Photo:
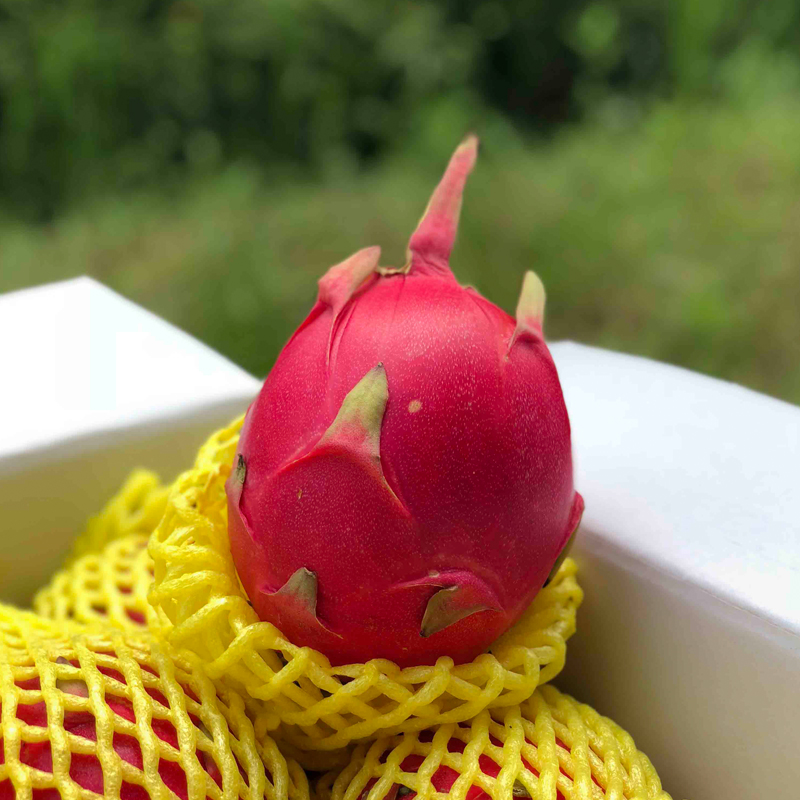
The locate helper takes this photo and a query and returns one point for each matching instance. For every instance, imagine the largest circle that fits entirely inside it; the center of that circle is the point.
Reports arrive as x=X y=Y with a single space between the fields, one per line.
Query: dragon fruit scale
x=403 y=483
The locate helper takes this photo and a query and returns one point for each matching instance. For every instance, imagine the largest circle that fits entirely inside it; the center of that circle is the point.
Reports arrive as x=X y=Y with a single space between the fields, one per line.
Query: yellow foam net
x=135 y=509
x=91 y=713
x=108 y=587
x=203 y=607
x=109 y=572
x=550 y=748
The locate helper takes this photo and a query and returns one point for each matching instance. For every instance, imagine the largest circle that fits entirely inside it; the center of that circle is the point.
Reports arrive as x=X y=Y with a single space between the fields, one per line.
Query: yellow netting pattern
x=136 y=508
x=203 y=607
x=110 y=586
x=321 y=761
x=574 y=753
x=110 y=666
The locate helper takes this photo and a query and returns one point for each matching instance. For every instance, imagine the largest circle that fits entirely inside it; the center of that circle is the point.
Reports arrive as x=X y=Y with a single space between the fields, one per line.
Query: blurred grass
x=675 y=236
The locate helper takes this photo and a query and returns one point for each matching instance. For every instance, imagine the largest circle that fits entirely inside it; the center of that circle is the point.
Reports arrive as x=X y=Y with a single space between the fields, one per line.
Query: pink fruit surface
x=403 y=482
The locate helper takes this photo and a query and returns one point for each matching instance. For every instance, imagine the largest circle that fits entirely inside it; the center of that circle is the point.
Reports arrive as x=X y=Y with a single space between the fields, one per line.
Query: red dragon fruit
x=403 y=483
x=85 y=767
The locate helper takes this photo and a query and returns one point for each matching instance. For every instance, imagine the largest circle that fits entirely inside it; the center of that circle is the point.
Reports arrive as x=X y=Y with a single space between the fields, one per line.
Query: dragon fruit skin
x=403 y=483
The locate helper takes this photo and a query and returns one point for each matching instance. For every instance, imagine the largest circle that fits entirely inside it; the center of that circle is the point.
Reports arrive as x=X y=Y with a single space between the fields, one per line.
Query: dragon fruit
x=95 y=713
x=551 y=747
x=86 y=769
x=403 y=483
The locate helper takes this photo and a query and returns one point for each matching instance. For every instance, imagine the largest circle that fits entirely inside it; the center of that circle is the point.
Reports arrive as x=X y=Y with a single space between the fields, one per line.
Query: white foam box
x=92 y=386
x=689 y=552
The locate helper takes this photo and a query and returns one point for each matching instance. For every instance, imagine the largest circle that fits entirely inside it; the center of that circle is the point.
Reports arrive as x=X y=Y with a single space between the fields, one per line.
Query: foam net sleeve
x=109 y=573
x=202 y=607
x=87 y=713
x=135 y=509
x=107 y=587
x=550 y=748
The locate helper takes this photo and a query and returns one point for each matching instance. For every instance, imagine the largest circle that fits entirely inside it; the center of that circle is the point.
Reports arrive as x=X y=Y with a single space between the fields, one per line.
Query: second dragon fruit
x=403 y=484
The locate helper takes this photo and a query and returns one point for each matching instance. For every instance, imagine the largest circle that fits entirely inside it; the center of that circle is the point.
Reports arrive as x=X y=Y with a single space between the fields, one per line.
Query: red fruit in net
x=403 y=483
x=85 y=768
x=444 y=777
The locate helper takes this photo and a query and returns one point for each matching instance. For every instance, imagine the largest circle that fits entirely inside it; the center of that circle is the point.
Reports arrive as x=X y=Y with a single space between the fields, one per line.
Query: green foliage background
x=210 y=158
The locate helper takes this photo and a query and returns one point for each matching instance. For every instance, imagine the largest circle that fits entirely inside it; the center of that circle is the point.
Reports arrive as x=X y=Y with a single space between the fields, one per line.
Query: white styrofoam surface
x=689 y=552
x=700 y=477
x=93 y=386
x=79 y=359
